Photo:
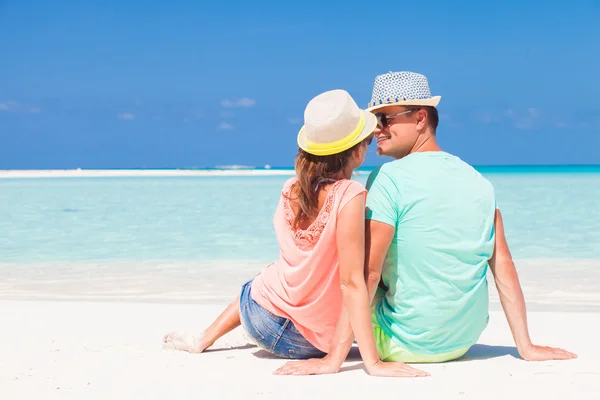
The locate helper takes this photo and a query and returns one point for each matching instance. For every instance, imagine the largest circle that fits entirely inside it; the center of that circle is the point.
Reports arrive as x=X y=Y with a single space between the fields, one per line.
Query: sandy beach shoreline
x=546 y=286
x=106 y=350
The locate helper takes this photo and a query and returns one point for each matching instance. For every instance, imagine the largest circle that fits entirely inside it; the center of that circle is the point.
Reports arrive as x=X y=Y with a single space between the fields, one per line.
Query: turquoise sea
x=197 y=238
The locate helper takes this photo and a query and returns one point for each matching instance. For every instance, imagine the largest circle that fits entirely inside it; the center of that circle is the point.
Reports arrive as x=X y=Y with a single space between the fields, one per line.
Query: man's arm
x=378 y=238
x=513 y=301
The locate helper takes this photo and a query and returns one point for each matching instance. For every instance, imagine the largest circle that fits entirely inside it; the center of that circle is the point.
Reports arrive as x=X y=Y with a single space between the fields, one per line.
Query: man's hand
x=395 y=369
x=313 y=366
x=543 y=353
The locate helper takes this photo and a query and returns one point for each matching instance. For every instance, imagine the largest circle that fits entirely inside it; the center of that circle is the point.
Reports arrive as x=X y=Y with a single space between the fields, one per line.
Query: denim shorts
x=275 y=334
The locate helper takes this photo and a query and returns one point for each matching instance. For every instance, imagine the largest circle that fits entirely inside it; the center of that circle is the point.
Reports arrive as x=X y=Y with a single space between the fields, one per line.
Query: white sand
x=79 y=350
x=546 y=285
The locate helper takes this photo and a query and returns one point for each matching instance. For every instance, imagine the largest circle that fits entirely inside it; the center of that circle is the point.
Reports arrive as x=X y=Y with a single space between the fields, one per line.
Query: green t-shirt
x=435 y=269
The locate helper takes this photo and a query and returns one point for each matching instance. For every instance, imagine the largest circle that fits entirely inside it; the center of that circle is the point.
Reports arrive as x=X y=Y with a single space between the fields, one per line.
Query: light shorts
x=391 y=351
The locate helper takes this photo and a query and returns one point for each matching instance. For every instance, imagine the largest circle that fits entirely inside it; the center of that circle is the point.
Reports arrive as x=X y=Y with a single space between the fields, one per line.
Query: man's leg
x=225 y=323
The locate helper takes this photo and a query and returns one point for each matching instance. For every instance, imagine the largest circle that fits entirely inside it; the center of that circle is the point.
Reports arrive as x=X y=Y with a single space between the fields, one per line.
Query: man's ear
x=422 y=118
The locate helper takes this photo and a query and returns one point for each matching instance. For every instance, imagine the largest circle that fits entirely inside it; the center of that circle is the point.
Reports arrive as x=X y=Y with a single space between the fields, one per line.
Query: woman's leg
x=226 y=322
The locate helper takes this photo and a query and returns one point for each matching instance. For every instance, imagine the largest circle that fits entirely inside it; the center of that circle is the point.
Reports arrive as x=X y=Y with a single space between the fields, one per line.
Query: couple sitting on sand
x=410 y=283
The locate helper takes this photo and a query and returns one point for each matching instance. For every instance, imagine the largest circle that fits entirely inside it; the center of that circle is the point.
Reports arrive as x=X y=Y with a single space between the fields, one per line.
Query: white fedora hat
x=401 y=88
x=333 y=122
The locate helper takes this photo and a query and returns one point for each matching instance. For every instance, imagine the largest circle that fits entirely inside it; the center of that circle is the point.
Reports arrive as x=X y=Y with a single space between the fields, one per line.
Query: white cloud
x=521 y=120
x=534 y=118
x=226 y=114
x=14 y=106
x=126 y=116
x=225 y=125
x=529 y=120
x=487 y=117
x=560 y=124
x=243 y=102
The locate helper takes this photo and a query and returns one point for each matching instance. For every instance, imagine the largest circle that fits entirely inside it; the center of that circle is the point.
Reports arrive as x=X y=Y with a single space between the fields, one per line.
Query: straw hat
x=401 y=88
x=333 y=122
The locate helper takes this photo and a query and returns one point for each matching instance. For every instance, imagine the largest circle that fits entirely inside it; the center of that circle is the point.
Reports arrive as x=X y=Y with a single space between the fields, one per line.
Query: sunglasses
x=383 y=119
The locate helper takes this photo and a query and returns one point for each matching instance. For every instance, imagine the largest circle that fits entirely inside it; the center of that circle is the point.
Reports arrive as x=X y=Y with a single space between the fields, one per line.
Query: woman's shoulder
x=347 y=190
x=349 y=186
x=290 y=180
x=287 y=185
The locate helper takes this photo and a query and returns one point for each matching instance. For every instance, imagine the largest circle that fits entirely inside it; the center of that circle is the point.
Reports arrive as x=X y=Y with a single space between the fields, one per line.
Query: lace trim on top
x=306 y=238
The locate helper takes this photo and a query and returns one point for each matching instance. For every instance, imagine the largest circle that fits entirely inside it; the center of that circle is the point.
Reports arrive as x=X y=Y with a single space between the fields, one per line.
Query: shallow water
x=198 y=238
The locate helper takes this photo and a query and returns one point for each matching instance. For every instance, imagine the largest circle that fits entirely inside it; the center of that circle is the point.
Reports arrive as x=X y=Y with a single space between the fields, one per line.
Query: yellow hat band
x=326 y=149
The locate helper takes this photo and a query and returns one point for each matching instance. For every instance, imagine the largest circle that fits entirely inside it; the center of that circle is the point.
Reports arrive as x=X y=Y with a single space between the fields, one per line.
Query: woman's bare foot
x=185 y=342
x=226 y=322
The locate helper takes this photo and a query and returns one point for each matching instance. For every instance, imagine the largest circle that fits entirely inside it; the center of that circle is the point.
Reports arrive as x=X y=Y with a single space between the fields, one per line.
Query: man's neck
x=428 y=143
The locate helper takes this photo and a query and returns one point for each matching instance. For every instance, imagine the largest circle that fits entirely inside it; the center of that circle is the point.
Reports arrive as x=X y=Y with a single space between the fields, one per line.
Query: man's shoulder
x=472 y=170
x=470 y=180
x=385 y=174
x=414 y=165
x=390 y=168
x=397 y=172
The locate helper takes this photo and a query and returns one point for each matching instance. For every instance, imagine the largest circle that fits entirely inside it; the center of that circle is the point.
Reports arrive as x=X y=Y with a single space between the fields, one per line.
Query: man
x=433 y=229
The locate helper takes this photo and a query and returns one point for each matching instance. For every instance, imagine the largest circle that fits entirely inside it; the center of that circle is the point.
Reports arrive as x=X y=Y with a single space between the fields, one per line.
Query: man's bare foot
x=184 y=342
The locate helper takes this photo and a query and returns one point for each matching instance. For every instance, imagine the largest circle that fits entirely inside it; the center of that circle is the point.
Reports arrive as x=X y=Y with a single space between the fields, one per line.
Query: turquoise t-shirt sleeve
x=382 y=198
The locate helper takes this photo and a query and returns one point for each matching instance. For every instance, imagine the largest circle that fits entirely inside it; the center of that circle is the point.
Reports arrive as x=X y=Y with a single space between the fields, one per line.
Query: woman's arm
x=351 y=250
x=378 y=237
x=356 y=315
x=513 y=301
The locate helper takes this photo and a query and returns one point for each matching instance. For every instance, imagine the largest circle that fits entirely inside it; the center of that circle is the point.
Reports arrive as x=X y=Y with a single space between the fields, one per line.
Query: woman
x=316 y=291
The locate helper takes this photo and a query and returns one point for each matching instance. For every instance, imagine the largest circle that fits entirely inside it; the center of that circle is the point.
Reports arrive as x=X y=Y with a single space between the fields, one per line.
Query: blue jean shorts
x=275 y=334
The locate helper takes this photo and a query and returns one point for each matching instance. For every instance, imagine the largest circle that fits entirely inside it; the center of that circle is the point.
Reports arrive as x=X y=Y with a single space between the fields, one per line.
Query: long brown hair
x=314 y=172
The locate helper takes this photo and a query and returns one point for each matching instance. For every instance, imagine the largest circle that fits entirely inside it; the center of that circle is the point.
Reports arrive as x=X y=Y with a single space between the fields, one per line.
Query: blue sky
x=166 y=84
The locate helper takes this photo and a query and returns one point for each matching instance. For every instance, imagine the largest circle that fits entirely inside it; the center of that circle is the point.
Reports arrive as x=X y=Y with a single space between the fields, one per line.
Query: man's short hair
x=433 y=117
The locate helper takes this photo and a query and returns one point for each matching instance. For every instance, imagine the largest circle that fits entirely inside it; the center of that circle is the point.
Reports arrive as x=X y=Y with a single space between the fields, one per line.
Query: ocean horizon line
x=283 y=167
x=242 y=170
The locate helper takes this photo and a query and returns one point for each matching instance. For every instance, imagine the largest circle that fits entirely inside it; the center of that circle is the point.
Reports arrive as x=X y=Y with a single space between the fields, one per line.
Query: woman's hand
x=313 y=366
x=394 y=369
x=321 y=366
